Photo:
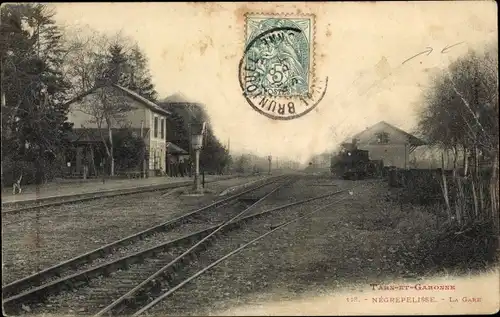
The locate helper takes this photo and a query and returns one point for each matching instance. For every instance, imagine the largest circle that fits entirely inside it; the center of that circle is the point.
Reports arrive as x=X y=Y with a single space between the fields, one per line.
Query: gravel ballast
x=33 y=240
x=356 y=240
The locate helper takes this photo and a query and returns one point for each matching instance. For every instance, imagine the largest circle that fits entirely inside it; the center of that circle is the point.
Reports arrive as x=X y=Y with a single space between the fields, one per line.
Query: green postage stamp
x=277 y=70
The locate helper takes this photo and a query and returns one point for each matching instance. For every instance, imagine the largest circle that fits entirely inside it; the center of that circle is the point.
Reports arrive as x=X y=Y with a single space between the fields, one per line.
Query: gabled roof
x=412 y=140
x=149 y=104
x=174 y=149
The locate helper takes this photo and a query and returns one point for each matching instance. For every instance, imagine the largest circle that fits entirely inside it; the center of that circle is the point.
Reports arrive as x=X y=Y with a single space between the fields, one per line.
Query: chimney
x=354 y=142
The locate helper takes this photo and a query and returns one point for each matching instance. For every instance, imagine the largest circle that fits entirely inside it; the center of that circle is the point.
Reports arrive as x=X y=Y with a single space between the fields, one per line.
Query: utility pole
x=144 y=154
x=270 y=159
x=228 y=152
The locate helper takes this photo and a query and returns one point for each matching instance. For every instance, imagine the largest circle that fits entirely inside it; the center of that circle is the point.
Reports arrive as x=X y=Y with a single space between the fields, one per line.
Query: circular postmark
x=275 y=72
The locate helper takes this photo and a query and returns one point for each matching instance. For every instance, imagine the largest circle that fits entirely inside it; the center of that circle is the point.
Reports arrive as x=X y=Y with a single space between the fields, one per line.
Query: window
x=156 y=127
x=162 y=129
x=382 y=137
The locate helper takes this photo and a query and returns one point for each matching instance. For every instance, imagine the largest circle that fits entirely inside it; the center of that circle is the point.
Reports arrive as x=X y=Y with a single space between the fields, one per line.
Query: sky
x=194 y=49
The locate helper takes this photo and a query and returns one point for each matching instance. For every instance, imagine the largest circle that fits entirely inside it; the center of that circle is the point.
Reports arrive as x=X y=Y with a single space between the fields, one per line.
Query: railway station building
x=388 y=143
x=140 y=116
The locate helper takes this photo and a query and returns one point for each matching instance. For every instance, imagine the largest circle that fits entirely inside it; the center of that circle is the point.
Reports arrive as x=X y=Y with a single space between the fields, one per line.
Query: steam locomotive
x=353 y=163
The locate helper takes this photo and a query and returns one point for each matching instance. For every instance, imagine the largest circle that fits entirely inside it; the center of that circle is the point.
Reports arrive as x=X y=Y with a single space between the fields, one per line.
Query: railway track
x=153 y=270
x=254 y=229
x=19 y=207
x=173 y=276
x=122 y=253
x=21 y=214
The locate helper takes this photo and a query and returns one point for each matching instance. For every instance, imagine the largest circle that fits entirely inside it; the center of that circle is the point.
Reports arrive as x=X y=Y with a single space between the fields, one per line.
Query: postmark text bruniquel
x=276 y=73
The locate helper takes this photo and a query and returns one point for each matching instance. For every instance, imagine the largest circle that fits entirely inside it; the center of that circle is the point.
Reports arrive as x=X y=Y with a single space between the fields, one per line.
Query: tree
x=88 y=56
x=33 y=85
x=107 y=107
x=178 y=130
x=461 y=113
x=242 y=164
x=129 y=70
x=214 y=156
x=115 y=69
x=139 y=78
x=102 y=59
x=461 y=106
x=128 y=149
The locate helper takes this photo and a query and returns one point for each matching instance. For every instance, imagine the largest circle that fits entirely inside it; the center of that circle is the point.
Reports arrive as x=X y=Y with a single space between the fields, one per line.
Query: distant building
x=145 y=117
x=386 y=142
x=177 y=160
x=188 y=112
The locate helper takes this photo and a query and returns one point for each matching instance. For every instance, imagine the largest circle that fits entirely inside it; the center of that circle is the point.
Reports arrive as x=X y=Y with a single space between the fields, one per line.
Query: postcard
x=253 y=158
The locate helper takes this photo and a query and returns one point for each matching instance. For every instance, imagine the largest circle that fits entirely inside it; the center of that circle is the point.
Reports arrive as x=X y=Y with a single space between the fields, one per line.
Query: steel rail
x=228 y=255
x=83 y=276
x=93 y=196
x=26 y=282
x=69 y=202
x=131 y=293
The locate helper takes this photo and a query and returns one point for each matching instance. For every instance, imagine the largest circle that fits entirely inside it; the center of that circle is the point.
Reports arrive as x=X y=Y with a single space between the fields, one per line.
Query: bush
x=465 y=245
x=128 y=149
x=50 y=167
x=421 y=187
x=471 y=249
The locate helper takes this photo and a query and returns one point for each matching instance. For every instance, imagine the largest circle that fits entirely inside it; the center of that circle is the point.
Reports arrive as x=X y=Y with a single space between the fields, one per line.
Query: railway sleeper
x=185 y=259
x=206 y=244
x=168 y=277
x=80 y=283
x=155 y=253
x=196 y=216
x=194 y=256
x=193 y=239
x=210 y=241
x=248 y=201
x=155 y=288
x=203 y=247
x=95 y=273
x=149 y=254
x=169 y=225
x=131 y=260
x=91 y=257
x=235 y=225
x=104 y=252
x=108 y=268
x=176 y=267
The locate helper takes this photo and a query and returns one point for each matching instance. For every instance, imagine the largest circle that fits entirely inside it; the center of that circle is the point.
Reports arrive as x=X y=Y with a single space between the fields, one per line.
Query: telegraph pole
x=228 y=153
x=270 y=159
x=144 y=154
